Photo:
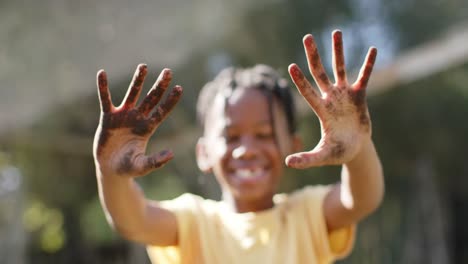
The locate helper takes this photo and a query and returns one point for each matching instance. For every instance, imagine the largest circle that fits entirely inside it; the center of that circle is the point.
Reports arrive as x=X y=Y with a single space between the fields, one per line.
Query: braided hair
x=261 y=77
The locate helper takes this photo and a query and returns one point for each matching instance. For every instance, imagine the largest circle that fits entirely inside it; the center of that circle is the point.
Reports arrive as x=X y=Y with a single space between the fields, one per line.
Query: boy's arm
x=360 y=192
x=346 y=135
x=134 y=217
x=119 y=154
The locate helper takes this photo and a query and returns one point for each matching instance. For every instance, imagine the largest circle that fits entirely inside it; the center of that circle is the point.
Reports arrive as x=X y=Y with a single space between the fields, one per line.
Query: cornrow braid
x=261 y=77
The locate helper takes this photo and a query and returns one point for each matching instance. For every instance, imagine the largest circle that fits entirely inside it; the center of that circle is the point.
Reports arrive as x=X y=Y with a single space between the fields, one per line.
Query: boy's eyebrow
x=229 y=125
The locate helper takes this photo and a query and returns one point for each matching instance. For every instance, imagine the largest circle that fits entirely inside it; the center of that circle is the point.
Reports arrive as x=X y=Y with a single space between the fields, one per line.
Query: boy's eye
x=265 y=135
x=231 y=137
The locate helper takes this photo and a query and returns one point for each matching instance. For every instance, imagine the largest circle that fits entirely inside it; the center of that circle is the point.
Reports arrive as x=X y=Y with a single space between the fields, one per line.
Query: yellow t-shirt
x=293 y=231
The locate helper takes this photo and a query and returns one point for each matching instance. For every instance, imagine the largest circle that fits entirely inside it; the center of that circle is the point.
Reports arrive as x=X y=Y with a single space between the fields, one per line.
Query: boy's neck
x=245 y=206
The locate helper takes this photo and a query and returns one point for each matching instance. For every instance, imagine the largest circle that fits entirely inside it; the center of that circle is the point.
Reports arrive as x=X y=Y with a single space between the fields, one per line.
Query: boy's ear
x=203 y=160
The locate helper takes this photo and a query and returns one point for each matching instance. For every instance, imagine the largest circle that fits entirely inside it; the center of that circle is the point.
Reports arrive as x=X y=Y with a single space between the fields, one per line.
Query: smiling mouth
x=248 y=173
x=250 y=176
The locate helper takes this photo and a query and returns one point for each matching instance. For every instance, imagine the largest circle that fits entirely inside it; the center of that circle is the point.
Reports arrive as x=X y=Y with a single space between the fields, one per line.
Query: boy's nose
x=245 y=150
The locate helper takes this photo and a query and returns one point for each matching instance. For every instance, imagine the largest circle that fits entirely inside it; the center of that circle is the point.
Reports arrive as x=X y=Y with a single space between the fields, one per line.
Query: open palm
x=123 y=132
x=341 y=107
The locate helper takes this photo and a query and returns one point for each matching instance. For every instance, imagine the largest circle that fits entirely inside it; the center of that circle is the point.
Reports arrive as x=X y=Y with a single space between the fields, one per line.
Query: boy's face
x=241 y=150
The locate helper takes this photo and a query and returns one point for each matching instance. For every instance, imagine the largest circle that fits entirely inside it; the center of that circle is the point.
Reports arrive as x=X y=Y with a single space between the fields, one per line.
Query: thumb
x=145 y=164
x=322 y=154
x=303 y=160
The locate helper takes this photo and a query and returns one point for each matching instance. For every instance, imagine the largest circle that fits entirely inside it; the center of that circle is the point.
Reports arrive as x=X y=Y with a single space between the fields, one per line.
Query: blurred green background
x=51 y=50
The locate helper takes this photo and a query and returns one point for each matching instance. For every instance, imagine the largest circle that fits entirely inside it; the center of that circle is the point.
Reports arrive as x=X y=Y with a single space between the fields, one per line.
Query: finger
x=315 y=64
x=303 y=160
x=134 y=89
x=322 y=154
x=366 y=70
x=146 y=164
x=304 y=86
x=154 y=95
x=103 y=92
x=338 y=59
x=166 y=107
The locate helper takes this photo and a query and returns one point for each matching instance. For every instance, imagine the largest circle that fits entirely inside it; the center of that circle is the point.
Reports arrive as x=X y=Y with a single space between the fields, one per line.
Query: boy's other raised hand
x=123 y=132
x=341 y=107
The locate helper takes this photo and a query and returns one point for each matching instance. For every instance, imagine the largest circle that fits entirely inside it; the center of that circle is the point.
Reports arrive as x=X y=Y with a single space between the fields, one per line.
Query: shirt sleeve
x=185 y=208
x=332 y=246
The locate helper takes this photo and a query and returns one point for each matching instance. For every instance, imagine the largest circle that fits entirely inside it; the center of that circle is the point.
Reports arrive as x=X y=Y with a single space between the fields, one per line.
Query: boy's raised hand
x=123 y=132
x=341 y=107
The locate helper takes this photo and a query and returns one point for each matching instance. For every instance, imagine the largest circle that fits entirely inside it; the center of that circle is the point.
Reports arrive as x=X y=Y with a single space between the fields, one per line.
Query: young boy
x=249 y=134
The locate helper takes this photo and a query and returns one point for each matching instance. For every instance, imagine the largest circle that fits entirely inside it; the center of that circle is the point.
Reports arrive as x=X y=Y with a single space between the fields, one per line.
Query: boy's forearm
x=362 y=183
x=360 y=192
x=123 y=202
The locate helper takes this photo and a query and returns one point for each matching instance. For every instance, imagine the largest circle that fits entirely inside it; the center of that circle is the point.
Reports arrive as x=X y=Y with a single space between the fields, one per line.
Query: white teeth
x=244 y=173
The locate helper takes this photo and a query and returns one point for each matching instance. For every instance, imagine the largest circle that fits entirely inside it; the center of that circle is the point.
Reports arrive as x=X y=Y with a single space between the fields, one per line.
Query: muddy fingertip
x=166 y=155
x=292 y=161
